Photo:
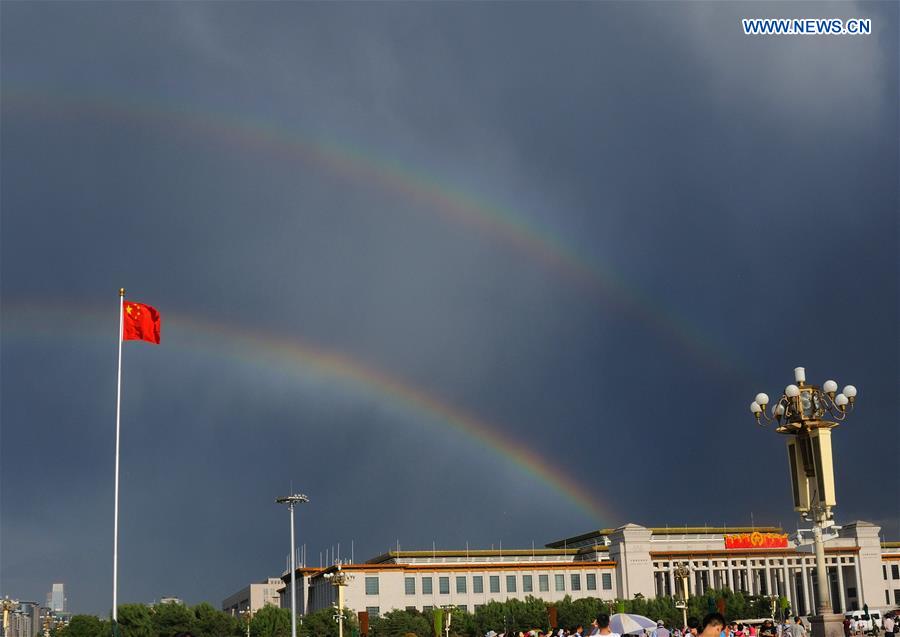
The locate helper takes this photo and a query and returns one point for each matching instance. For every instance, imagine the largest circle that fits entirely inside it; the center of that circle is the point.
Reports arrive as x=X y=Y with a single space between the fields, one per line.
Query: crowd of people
x=714 y=625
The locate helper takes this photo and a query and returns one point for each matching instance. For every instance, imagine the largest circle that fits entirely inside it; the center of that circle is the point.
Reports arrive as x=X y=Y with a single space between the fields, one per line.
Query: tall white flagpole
x=115 y=612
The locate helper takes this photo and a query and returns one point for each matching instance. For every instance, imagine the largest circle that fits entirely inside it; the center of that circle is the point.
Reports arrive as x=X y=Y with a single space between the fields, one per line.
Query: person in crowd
x=661 y=630
x=713 y=625
x=739 y=630
x=797 y=629
x=888 y=623
x=693 y=627
x=603 y=626
x=767 y=629
x=579 y=631
x=751 y=630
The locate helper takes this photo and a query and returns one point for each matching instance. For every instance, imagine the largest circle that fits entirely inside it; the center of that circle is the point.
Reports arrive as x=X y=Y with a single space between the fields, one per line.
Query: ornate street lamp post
x=683 y=572
x=804 y=413
x=248 y=614
x=7 y=605
x=339 y=579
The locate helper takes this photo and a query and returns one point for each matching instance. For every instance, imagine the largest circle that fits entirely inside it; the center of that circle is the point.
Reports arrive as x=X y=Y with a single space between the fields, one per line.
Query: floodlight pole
x=291 y=500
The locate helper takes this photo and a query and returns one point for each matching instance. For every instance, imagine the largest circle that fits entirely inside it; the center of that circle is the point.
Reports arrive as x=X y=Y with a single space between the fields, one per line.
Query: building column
x=859 y=589
x=690 y=580
x=749 y=578
x=770 y=590
x=787 y=582
x=795 y=590
x=813 y=598
x=730 y=574
x=841 y=592
x=672 y=578
x=806 y=595
x=709 y=575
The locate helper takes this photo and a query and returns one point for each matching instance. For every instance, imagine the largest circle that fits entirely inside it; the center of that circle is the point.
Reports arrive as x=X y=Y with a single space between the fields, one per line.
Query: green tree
x=134 y=621
x=171 y=618
x=491 y=616
x=580 y=612
x=270 y=621
x=211 y=622
x=321 y=623
x=398 y=623
x=85 y=626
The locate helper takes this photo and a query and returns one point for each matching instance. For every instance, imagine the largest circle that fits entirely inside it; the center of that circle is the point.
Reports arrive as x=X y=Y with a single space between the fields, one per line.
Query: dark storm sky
x=742 y=191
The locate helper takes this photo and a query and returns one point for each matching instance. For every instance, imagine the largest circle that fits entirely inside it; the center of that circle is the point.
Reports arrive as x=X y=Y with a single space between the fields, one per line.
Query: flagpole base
x=827 y=625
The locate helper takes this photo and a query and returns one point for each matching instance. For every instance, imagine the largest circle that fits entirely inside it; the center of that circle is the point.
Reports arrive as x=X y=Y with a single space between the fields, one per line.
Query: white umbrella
x=625 y=623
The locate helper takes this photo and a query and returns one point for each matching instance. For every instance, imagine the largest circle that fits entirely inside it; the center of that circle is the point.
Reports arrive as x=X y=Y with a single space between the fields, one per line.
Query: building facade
x=890 y=572
x=254 y=597
x=24 y=620
x=56 y=598
x=620 y=564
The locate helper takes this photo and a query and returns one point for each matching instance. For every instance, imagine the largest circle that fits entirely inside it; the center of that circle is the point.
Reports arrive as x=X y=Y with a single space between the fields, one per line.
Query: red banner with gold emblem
x=756 y=540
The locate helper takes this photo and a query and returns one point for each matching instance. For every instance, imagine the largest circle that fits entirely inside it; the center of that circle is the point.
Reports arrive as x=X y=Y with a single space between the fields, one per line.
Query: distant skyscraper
x=56 y=598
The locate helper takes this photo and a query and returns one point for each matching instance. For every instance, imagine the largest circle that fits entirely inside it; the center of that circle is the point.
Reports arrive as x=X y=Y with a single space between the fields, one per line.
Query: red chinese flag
x=140 y=322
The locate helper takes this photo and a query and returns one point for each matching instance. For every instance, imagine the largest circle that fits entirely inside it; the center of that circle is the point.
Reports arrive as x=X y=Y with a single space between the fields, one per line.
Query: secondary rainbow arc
x=357 y=165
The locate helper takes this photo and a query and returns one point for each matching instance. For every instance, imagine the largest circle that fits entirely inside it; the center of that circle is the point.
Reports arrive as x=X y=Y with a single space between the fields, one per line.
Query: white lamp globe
x=849 y=391
x=755 y=408
x=829 y=386
x=840 y=400
x=778 y=410
x=762 y=399
x=800 y=374
x=792 y=391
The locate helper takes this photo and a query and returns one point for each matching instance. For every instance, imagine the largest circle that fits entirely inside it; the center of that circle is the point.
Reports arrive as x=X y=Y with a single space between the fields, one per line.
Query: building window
x=426 y=586
x=606 y=578
x=372 y=585
x=444 y=585
x=411 y=609
x=460 y=583
x=510 y=583
x=591 y=581
x=477 y=584
x=427 y=609
x=884 y=570
x=560 y=582
x=373 y=612
x=543 y=583
x=478 y=606
x=495 y=583
x=851 y=591
x=527 y=584
x=463 y=608
x=897 y=596
x=576 y=581
x=410 y=585
x=895 y=571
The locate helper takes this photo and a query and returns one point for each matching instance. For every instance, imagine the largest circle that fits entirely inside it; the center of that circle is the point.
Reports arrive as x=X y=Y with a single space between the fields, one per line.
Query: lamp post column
x=823 y=599
x=291 y=500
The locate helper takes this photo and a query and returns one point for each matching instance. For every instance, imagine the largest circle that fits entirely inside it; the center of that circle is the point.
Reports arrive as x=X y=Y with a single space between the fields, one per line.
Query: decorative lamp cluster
x=802 y=402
